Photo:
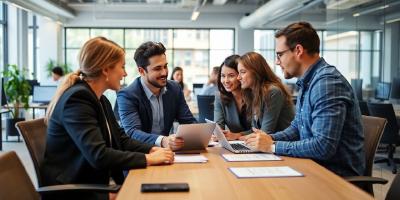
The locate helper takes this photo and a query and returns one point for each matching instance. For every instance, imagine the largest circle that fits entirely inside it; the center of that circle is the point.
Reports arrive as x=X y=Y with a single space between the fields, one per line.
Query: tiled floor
x=380 y=170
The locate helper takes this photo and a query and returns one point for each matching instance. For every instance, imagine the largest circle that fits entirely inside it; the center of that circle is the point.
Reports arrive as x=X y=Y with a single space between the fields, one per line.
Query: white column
x=50 y=47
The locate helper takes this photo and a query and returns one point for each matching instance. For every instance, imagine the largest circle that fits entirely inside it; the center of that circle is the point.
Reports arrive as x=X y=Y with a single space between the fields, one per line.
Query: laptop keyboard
x=239 y=147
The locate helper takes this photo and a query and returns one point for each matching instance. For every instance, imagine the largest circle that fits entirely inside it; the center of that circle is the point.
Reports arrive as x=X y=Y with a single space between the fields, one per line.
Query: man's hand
x=259 y=140
x=231 y=136
x=172 y=142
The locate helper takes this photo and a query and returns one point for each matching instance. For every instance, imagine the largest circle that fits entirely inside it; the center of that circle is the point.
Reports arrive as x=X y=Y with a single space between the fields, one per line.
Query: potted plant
x=17 y=89
x=51 y=64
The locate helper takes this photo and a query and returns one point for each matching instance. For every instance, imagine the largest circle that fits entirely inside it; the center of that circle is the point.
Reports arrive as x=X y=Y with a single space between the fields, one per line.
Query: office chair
x=15 y=183
x=206 y=107
x=356 y=84
x=363 y=107
x=34 y=133
x=395 y=92
x=394 y=192
x=390 y=135
x=373 y=130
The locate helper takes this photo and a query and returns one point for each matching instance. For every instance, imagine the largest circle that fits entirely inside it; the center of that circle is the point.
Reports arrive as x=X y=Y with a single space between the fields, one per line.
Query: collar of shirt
x=305 y=79
x=147 y=90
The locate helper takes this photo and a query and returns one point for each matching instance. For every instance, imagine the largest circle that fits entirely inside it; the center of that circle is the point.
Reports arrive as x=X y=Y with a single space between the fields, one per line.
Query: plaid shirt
x=327 y=127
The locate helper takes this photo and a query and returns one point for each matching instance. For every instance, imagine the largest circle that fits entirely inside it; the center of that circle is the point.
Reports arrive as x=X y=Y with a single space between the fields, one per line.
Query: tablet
x=196 y=136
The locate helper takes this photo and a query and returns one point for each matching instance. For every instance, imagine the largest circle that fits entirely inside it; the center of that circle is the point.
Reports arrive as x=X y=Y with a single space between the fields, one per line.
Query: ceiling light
x=195 y=15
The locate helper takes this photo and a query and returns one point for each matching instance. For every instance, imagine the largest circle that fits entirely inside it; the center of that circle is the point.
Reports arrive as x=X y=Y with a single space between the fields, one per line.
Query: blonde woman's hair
x=264 y=78
x=96 y=54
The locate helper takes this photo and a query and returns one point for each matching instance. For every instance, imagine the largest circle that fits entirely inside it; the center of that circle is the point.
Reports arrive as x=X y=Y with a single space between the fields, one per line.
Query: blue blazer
x=136 y=114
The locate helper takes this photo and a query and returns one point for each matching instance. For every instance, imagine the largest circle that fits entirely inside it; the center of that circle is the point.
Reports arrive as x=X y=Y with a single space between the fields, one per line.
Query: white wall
x=50 y=44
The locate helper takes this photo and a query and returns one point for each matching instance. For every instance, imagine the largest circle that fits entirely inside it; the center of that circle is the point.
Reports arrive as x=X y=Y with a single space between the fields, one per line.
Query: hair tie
x=81 y=75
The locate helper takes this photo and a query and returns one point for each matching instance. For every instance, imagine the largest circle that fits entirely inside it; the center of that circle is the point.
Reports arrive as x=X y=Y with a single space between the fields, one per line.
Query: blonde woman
x=85 y=143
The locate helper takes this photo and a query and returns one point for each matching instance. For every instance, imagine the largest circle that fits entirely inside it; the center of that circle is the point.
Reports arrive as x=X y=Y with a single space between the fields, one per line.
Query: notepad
x=190 y=158
x=268 y=172
x=250 y=157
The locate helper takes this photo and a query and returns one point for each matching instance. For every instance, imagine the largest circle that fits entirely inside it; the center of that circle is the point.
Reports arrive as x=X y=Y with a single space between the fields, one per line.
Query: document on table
x=250 y=157
x=195 y=158
x=268 y=172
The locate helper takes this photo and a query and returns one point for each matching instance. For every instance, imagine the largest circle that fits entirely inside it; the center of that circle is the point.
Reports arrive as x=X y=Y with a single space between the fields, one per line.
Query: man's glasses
x=280 y=53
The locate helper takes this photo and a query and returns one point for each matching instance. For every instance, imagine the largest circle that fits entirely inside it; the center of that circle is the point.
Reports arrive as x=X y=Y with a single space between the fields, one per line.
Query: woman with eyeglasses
x=268 y=103
x=229 y=108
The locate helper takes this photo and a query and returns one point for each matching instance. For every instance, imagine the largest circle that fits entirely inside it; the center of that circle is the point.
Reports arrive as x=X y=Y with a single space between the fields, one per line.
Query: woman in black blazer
x=85 y=144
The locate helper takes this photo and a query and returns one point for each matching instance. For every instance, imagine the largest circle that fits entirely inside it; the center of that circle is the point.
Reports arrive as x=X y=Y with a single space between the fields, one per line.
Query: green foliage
x=16 y=88
x=52 y=63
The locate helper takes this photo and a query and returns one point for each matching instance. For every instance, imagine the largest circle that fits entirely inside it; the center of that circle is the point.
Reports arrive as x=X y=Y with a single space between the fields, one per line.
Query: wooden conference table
x=213 y=180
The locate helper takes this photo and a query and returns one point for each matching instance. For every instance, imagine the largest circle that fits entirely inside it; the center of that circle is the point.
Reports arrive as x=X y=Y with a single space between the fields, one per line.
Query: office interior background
x=360 y=37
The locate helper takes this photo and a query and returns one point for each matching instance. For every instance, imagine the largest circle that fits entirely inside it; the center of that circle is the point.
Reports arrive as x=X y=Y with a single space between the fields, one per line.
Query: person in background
x=57 y=73
x=268 y=103
x=327 y=127
x=229 y=107
x=211 y=87
x=177 y=75
x=149 y=106
x=84 y=143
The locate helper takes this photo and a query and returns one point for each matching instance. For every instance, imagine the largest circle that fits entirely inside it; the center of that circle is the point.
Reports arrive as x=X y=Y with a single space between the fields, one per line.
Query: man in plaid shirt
x=327 y=127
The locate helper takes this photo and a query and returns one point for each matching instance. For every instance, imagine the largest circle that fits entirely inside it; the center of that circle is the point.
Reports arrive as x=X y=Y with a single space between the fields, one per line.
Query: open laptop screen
x=43 y=94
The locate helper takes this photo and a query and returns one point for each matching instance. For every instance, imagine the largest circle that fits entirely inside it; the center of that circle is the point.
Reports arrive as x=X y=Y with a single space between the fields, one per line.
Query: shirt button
x=302 y=127
x=302 y=110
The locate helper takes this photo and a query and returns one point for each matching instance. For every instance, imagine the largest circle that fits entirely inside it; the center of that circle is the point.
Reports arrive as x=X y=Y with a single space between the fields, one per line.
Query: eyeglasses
x=280 y=53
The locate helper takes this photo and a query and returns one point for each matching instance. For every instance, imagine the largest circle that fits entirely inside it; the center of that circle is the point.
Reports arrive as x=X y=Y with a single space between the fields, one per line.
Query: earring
x=107 y=79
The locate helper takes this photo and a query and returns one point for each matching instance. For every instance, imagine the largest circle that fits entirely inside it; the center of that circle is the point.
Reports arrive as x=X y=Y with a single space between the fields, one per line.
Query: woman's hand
x=231 y=136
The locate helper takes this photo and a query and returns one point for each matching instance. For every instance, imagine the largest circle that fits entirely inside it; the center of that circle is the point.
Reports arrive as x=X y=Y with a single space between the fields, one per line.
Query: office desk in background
x=33 y=107
x=2 y=111
x=213 y=180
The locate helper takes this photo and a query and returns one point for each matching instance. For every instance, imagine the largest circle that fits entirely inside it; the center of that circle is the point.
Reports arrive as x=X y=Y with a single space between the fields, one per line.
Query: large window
x=195 y=50
x=356 y=54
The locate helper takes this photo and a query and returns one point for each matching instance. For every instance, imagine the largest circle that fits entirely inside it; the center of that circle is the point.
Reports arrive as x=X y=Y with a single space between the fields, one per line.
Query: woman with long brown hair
x=268 y=103
x=229 y=107
x=85 y=144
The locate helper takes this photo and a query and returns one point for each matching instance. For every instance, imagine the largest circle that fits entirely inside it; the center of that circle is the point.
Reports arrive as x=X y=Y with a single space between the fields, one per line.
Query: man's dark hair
x=146 y=51
x=58 y=70
x=300 y=33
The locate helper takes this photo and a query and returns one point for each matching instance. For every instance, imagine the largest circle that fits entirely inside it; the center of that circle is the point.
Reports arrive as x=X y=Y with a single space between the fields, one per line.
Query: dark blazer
x=78 y=148
x=228 y=114
x=136 y=114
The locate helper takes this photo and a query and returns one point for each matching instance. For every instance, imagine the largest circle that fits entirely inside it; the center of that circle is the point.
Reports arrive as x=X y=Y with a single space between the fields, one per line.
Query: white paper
x=255 y=172
x=250 y=157
x=190 y=158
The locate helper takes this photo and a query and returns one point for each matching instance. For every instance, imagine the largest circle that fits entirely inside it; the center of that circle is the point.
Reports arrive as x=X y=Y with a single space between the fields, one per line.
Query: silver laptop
x=239 y=147
x=196 y=136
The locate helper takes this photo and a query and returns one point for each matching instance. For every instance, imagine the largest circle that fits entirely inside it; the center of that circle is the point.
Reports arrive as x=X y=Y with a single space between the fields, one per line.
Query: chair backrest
x=394 y=192
x=363 y=107
x=385 y=110
x=34 y=133
x=15 y=183
x=373 y=130
x=206 y=107
x=356 y=84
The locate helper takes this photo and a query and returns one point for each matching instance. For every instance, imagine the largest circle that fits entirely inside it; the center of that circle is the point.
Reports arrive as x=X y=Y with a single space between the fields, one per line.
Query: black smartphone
x=165 y=187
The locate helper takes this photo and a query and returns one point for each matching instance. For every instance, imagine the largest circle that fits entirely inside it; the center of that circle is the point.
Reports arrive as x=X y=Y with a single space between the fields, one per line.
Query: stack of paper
x=196 y=158
x=250 y=157
x=257 y=172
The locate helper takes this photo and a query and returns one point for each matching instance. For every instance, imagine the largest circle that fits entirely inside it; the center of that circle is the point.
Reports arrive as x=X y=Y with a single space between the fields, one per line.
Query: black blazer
x=78 y=148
